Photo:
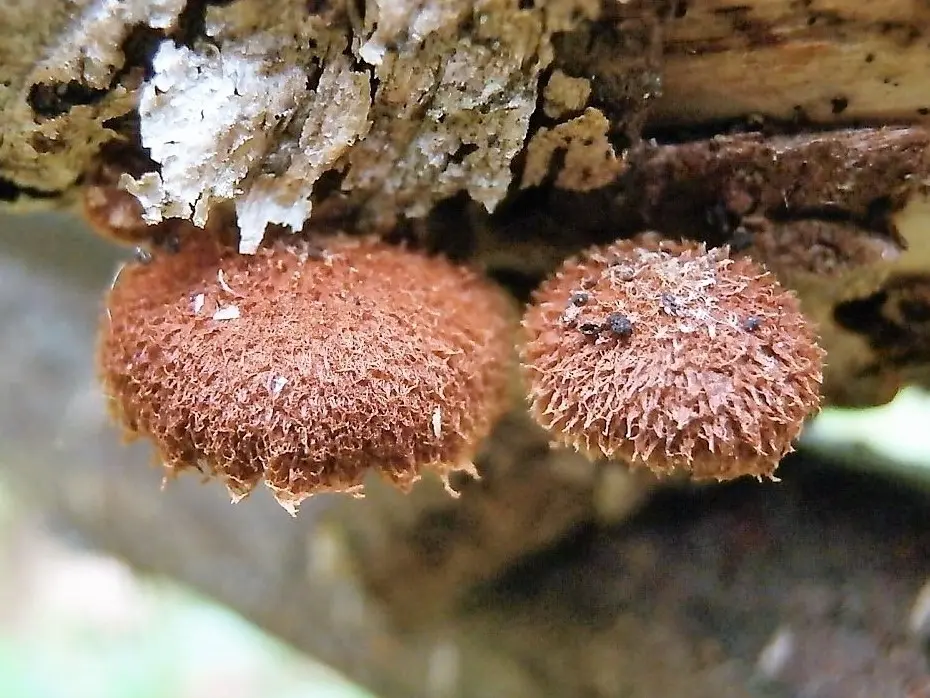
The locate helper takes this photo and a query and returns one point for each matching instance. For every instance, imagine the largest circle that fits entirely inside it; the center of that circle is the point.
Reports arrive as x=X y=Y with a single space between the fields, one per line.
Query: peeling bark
x=824 y=61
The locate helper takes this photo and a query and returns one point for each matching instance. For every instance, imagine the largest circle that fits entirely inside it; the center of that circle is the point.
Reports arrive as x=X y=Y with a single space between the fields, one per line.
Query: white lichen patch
x=228 y=312
x=236 y=121
x=207 y=118
x=276 y=97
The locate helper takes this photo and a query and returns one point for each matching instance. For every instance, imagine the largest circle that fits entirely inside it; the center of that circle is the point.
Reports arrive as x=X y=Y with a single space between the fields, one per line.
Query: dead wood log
x=826 y=61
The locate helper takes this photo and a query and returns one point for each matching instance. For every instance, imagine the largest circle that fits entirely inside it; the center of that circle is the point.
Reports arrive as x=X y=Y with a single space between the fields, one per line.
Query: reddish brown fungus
x=704 y=364
x=305 y=367
x=115 y=214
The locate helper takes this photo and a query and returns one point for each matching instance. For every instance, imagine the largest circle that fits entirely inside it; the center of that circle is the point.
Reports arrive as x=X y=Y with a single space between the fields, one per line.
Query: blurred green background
x=75 y=624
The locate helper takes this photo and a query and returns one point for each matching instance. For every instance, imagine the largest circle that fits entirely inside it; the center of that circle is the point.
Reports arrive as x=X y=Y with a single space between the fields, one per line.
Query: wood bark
x=827 y=61
x=793 y=131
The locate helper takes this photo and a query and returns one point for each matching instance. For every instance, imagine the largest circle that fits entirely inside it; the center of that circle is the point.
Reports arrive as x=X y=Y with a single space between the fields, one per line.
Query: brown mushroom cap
x=673 y=357
x=113 y=212
x=306 y=365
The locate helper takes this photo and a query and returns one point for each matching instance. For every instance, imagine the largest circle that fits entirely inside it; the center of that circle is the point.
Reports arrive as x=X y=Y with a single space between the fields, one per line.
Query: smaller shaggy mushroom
x=671 y=356
x=306 y=365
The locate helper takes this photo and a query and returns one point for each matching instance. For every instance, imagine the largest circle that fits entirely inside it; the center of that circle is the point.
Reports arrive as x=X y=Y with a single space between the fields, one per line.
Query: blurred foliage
x=892 y=440
x=74 y=624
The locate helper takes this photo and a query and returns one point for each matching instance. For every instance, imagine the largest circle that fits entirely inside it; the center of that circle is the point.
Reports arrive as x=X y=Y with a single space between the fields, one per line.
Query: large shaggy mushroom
x=306 y=365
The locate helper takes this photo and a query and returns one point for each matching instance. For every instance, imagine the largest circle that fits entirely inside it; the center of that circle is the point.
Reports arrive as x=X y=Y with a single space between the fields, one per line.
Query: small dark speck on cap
x=839 y=104
x=619 y=324
x=579 y=297
x=752 y=323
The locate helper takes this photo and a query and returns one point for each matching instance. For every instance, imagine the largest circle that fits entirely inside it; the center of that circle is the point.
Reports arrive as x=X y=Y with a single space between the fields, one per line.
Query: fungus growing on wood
x=306 y=365
x=680 y=359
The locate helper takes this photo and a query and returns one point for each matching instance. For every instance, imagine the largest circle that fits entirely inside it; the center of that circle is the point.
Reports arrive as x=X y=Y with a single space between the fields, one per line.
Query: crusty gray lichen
x=453 y=107
x=408 y=101
x=455 y=84
x=233 y=119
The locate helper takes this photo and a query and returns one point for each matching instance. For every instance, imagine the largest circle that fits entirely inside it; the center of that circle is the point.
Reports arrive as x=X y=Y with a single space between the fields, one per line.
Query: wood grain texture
x=828 y=61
